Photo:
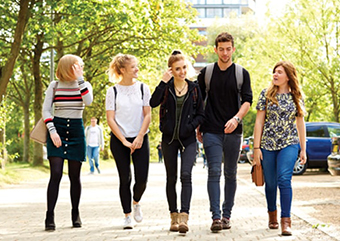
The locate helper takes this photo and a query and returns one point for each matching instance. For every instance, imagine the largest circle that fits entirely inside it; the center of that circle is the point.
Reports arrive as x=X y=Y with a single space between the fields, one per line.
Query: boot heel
x=49 y=222
x=76 y=222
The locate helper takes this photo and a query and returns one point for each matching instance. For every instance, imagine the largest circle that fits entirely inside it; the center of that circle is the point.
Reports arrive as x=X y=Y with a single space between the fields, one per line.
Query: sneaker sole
x=215 y=230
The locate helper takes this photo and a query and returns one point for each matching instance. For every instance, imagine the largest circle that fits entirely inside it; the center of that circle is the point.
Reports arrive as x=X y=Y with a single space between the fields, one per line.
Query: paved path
x=22 y=211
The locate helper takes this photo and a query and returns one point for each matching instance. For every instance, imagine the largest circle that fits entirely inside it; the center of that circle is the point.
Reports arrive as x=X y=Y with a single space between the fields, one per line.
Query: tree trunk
x=26 y=154
x=7 y=70
x=38 y=96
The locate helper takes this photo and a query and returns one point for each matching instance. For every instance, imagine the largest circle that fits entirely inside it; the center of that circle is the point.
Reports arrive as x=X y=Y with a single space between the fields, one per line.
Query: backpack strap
x=207 y=78
x=115 y=91
x=141 y=90
x=194 y=97
x=239 y=82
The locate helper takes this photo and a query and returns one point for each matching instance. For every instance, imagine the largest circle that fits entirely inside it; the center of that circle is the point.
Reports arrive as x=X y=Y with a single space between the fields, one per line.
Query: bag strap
x=54 y=90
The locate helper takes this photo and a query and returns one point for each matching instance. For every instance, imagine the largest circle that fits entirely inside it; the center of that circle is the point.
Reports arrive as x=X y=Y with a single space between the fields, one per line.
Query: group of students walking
x=210 y=110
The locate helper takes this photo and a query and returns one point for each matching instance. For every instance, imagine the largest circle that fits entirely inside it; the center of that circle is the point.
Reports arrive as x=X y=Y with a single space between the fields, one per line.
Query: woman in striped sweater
x=62 y=112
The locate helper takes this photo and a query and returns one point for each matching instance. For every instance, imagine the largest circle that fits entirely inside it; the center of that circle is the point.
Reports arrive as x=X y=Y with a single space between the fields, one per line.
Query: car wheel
x=298 y=168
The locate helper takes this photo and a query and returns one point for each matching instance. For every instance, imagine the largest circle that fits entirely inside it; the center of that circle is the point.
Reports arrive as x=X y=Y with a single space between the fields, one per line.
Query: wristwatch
x=237 y=119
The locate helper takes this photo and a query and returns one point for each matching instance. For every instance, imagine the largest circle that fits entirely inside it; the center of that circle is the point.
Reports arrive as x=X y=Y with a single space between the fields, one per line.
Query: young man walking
x=228 y=96
x=94 y=141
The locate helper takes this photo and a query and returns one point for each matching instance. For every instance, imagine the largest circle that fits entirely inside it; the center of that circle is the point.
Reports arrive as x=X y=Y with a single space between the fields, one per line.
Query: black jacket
x=192 y=114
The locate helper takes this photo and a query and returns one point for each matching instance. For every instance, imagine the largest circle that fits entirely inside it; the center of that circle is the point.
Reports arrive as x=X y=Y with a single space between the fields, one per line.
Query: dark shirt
x=222 y=102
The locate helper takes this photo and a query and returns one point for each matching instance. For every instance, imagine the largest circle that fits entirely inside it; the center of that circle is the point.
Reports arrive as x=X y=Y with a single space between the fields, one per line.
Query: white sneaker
x=127 y=223
x=137 y=213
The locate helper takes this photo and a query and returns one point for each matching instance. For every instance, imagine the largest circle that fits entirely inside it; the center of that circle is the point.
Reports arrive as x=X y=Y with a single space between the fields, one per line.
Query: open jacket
x=192 y=114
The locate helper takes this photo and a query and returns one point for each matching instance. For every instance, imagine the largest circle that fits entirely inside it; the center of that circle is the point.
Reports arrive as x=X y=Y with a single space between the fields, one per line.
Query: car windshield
x=334 y=131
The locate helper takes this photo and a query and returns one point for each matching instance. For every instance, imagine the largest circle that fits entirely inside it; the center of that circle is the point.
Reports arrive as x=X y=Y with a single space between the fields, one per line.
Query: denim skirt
x=71 y=132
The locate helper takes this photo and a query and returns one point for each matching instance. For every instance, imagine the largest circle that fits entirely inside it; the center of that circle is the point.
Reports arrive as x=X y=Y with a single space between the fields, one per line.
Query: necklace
x=180 y=91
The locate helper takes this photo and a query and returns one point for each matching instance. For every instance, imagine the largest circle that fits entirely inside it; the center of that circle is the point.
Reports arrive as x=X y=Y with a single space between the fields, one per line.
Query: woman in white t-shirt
x=128 y=114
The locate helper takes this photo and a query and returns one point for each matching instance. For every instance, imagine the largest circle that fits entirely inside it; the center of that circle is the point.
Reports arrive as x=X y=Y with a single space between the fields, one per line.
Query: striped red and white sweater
x=69 y=101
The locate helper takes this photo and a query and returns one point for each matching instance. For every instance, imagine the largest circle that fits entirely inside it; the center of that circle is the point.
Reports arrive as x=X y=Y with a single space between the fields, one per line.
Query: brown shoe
x=225 y=223
x=183 y=222
x=216 y=226
x=273 y=224
x=174 y=222
x=286 y=226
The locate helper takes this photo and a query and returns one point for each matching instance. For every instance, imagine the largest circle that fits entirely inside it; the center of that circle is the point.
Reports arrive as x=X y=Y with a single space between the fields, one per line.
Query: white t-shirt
x=93 y=139
x=128 y=107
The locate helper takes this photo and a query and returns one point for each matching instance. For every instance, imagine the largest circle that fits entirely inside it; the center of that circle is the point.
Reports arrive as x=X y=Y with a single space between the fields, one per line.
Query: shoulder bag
x=39 y=131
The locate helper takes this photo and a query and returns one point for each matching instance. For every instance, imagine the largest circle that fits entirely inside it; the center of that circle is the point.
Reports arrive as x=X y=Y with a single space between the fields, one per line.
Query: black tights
x=56 y=173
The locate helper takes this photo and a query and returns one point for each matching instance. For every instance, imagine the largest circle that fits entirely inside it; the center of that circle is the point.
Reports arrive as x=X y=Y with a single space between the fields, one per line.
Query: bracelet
x=257 y=148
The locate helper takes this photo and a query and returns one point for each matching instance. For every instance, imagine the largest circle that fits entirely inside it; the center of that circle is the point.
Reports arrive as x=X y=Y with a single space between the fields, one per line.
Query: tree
x=96 y=31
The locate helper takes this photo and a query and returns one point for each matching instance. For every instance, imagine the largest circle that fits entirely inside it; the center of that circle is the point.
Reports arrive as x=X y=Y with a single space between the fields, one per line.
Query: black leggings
x=140 y=159
x=188 y=157
x=56 y=173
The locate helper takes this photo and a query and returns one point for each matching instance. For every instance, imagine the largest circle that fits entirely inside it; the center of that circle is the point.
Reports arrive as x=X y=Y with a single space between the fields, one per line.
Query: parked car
x=319 y=145
x=245 y=148
x=333 y=159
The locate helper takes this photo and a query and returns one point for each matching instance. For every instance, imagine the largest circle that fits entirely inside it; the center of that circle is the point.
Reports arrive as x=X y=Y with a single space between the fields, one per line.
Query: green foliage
x=97 y=31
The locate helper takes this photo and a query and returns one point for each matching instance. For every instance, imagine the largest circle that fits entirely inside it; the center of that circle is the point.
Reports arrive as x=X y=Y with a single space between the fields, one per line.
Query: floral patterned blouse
x=279 y=129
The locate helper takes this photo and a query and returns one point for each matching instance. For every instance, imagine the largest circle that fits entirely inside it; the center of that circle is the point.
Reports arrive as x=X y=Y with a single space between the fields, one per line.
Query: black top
x=222 y=102
x=191 y=115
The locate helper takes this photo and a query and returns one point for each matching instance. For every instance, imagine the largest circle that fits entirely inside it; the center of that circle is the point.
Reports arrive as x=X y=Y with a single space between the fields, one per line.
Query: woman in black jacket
x=181 y=112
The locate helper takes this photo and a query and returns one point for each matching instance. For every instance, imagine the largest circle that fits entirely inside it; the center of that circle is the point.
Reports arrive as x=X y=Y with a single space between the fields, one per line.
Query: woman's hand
x=257 y=157
x=199 y=135
x=167 y=75
x=303 y=157
x=129 y=145
x=137 y=142
x=77 y=70
x=56 y=139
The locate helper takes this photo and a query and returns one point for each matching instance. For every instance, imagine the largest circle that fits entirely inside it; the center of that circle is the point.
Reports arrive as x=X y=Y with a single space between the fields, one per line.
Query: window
x=315 y=131
x=231 y=1
x=227 y=11
x=214 y=12
x=201 y=12
x=214 y=2
x=333 y=131
x=198 y=1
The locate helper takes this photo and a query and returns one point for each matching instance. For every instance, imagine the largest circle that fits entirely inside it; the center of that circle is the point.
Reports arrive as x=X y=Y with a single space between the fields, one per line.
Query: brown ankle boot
x=273 y=224
x=174 y=222
x=183 y=223
x=286 y=226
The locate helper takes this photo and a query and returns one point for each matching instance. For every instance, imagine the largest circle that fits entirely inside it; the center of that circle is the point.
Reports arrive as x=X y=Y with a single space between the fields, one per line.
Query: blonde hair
x=177 y=56
x=118 y=62
x=293 y=84
x=64 y=70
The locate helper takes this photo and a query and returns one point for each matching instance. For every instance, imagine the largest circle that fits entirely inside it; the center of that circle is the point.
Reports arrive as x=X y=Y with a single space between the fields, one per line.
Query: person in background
x=128 y=115
x=94 y=140
x=279 y=129
x=159 y=150
x=222 y=128
x=181 y=111
x=63 y=107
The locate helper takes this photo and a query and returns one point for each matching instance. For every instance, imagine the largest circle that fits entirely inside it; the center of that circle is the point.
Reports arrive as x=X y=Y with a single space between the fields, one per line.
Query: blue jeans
x=93 y=153
x=278 y=170
x=218 y=147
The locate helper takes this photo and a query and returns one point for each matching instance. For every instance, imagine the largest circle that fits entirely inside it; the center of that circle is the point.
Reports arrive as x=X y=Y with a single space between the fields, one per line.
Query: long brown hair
x=293 y=83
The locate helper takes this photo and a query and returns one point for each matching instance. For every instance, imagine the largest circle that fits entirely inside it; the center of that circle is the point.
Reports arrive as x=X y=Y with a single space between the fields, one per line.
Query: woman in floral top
x=279 y=129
